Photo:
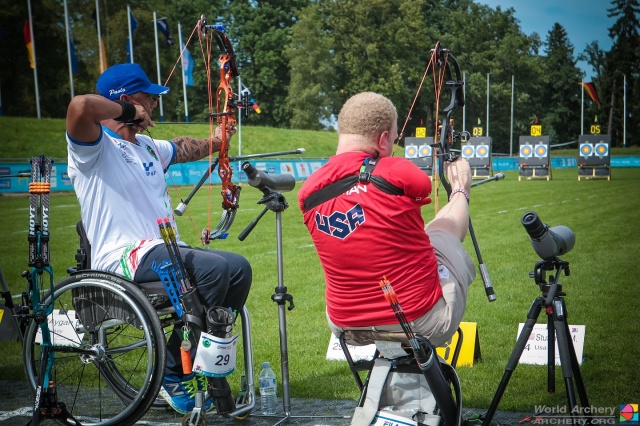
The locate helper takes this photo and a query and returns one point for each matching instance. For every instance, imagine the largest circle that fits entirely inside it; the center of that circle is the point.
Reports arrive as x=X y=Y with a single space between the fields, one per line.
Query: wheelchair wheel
x=109 y=349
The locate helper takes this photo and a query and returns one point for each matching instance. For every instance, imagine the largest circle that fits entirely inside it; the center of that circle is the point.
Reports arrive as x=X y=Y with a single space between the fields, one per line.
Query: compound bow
x=224 y=116
x=445 y=72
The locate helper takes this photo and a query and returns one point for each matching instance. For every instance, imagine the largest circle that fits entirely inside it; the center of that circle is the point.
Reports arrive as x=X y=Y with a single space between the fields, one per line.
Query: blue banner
x=190 y=173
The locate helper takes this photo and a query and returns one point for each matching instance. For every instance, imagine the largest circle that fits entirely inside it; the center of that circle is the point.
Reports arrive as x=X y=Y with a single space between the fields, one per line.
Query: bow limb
x=446 y=75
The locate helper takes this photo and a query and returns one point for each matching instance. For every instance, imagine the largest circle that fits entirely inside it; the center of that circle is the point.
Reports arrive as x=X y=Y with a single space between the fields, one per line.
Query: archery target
x=526 y=151
x=602 y=149
x=586 y=149
x=411 y=151
x=541 y=150
x=425 y=151
x=467 y=151
x=482 y=151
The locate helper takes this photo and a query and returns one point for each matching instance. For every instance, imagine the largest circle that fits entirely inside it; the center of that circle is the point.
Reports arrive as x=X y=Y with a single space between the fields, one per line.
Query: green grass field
x=601 y=289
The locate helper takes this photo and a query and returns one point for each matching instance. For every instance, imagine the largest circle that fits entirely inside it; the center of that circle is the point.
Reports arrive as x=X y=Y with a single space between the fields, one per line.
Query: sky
x=584 y=21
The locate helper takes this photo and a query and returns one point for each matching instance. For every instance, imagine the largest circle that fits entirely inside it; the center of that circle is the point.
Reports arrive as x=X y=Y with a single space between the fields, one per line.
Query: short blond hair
x=367 y=114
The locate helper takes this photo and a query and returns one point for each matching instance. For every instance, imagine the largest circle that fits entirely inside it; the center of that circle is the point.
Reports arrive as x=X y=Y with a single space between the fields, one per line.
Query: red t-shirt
x=364 y=234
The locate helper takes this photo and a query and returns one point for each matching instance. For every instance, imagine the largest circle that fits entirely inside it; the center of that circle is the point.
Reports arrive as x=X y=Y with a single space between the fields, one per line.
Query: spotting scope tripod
x=552 y=300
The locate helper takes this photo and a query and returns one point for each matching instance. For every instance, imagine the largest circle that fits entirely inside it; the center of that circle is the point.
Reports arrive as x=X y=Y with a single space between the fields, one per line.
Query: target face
x=411 y=151
x=425 y=150
x=602 y=149
x=482 y=151
x=467 y=151
x=541 y=151
x=586 y=150
x=526 y=151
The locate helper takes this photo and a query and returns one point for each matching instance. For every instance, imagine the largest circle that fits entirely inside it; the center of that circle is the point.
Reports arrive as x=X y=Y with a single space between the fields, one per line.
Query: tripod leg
x=551 y=354
x=568 y=358
x=565 y=362
x=582 y=392
x=532 y=317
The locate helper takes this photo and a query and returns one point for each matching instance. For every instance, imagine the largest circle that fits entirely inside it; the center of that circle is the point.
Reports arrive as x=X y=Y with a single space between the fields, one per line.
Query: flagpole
x=513 y=86
x=184 y=78
x=464 y=108
x=582 y=110
x=624 y=107
x=130 y=34
x=487 y=104
x=100 y=50
x=66 y=26
x=35 y=65
x=155 y=31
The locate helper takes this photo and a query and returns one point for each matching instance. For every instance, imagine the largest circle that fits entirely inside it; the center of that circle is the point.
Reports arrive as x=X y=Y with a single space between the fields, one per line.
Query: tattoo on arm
x=191 y=149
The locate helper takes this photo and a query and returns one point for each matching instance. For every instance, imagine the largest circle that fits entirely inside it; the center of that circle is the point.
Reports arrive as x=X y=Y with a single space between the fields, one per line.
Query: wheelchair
x=122 y=328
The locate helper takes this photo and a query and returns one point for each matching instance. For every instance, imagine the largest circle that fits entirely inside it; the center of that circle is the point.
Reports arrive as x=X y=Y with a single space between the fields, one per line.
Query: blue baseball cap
x=127 y=79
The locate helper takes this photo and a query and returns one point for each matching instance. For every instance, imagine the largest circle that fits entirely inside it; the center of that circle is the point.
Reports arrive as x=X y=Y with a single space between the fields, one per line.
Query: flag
x=163 y=26
x=133 y=24
x=72 y=52
x=591 y=90
x=27 y=41
x=187 y=65
x=132 y=21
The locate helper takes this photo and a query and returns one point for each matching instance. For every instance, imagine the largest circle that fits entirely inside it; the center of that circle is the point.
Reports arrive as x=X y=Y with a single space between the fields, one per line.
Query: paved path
x=16 y=401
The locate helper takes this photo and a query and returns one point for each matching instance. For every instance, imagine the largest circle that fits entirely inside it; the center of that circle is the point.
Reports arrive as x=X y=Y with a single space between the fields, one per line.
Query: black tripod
x=553 y=301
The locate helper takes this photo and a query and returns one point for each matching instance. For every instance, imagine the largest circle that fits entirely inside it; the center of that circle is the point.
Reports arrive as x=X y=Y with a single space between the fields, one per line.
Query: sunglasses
x=152 y=98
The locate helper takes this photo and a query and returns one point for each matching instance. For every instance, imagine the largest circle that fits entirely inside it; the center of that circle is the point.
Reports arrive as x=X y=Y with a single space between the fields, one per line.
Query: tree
x=311 y=96
x=595 y=57
x=561 y=93
x=623 y=60
x=491 y=42
x=262 y=32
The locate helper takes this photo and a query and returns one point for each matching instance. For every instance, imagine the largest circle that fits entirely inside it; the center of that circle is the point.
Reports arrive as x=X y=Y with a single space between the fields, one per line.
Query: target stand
x=594 y=159
x=420 y=152
x=477 y=151
x=534 y=160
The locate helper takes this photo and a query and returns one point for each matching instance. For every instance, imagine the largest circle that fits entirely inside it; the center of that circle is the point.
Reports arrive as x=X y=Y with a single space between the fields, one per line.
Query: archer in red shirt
x=363 y=231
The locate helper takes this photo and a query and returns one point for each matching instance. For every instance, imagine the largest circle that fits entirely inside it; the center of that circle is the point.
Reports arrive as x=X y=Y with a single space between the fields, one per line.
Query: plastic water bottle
x=268 y=388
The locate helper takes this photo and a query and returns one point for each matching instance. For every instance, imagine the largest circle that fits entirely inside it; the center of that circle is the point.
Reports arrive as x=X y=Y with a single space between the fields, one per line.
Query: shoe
x=201 y=383
x=180 y=393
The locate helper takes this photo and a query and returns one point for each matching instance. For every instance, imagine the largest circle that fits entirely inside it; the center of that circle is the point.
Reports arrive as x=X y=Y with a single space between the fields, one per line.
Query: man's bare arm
x=191 y=149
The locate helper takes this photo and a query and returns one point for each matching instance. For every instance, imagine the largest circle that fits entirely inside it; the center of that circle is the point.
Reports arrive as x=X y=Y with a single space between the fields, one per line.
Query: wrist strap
x=128 y=111
x=460 y=190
